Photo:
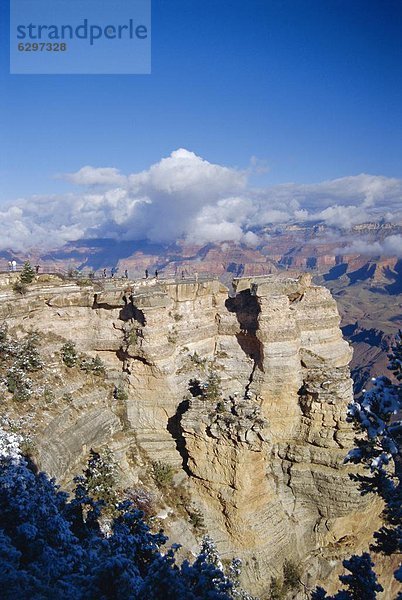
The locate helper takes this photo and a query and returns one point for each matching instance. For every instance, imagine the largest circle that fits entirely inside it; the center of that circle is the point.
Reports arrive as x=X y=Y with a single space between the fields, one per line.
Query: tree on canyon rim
x=52 y=547
x=378 y=447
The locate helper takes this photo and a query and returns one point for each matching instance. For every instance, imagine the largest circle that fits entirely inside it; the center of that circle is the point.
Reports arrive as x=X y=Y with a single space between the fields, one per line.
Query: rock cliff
x=244 y=393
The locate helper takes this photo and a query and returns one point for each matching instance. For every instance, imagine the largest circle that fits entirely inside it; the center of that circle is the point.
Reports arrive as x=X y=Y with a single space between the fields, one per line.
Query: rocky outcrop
x=245 y=394
x=279 y=487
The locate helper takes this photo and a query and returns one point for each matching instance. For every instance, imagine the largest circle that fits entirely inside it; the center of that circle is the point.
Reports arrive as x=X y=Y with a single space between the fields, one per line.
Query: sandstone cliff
x=245 y=394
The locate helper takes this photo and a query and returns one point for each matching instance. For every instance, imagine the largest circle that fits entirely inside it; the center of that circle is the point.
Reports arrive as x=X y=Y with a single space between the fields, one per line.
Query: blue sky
x=312 y=87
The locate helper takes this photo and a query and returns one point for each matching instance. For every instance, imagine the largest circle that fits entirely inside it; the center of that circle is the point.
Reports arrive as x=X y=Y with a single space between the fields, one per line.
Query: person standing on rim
x=156 y=273
x=146 y=273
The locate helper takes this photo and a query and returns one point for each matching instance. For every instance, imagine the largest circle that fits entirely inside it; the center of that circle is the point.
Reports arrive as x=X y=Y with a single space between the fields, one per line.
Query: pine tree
x=361 y=582
x=53 y=548
x=27 y=274
x=375 y=416
x=100 y=477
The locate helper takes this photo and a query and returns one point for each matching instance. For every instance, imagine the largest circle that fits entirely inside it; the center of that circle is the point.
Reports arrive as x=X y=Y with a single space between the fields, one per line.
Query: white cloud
x=96 y=176
x=390 y=246
x=185 y=196
x=341 y=216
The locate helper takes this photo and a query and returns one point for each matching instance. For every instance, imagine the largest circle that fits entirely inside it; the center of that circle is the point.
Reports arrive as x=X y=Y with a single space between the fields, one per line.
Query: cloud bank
x=390 y=246
x=184 y=196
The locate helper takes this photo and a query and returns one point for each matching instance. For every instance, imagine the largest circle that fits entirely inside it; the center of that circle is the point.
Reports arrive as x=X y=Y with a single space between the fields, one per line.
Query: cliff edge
x=243 y=392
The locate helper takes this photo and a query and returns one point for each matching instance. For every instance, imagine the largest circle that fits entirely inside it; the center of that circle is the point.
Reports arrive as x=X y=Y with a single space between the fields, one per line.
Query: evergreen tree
x=100 y=477
x=361 y=582
x=377 y=418
x=27 y=274
x=52 y=548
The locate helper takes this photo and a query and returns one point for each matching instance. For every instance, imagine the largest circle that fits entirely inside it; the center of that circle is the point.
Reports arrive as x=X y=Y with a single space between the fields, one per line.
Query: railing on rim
x=98 y=275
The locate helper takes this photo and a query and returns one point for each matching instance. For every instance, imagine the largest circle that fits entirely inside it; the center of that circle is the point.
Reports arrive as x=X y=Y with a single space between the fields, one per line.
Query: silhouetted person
x=146 y=273
x=126 y=274
x=37 y=267
x=104 y=273
x=156 y=273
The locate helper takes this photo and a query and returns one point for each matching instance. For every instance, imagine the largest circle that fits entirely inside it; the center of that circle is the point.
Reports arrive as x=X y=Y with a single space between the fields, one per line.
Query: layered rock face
x=269 y=466
x=244 y=393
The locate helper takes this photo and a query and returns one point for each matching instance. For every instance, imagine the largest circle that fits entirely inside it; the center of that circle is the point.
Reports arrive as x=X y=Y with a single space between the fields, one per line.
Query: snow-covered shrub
x=54 y=548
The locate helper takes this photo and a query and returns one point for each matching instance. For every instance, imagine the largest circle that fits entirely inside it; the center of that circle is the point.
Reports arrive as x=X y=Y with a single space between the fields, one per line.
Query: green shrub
x=291 y=581
x=120 y=393
x=220 y=407
x=28 y=357
x=133 y=337
x=173 y=336
x=291 y=575
x=48 y=395
x=69 y=354
x=276 y=590
x=93 y=365
x=162 y=474
x=18 y=357
x=212 y=389
x=197 y=360
x=20 y=288
x=18 y=384
x=196 y=519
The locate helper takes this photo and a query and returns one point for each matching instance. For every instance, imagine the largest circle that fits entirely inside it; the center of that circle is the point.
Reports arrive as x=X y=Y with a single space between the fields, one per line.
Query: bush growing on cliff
x=198 y=361
x=100 y=478
x=69 y=354
x=120 y=394
x=28 y=357
x=133 y=337
x=196 y=519
x=19 y=384
x=291 y=575
x=93 y=365
x=212 y=389
x=290 y=582
x=142 y=499
x=162 y=474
